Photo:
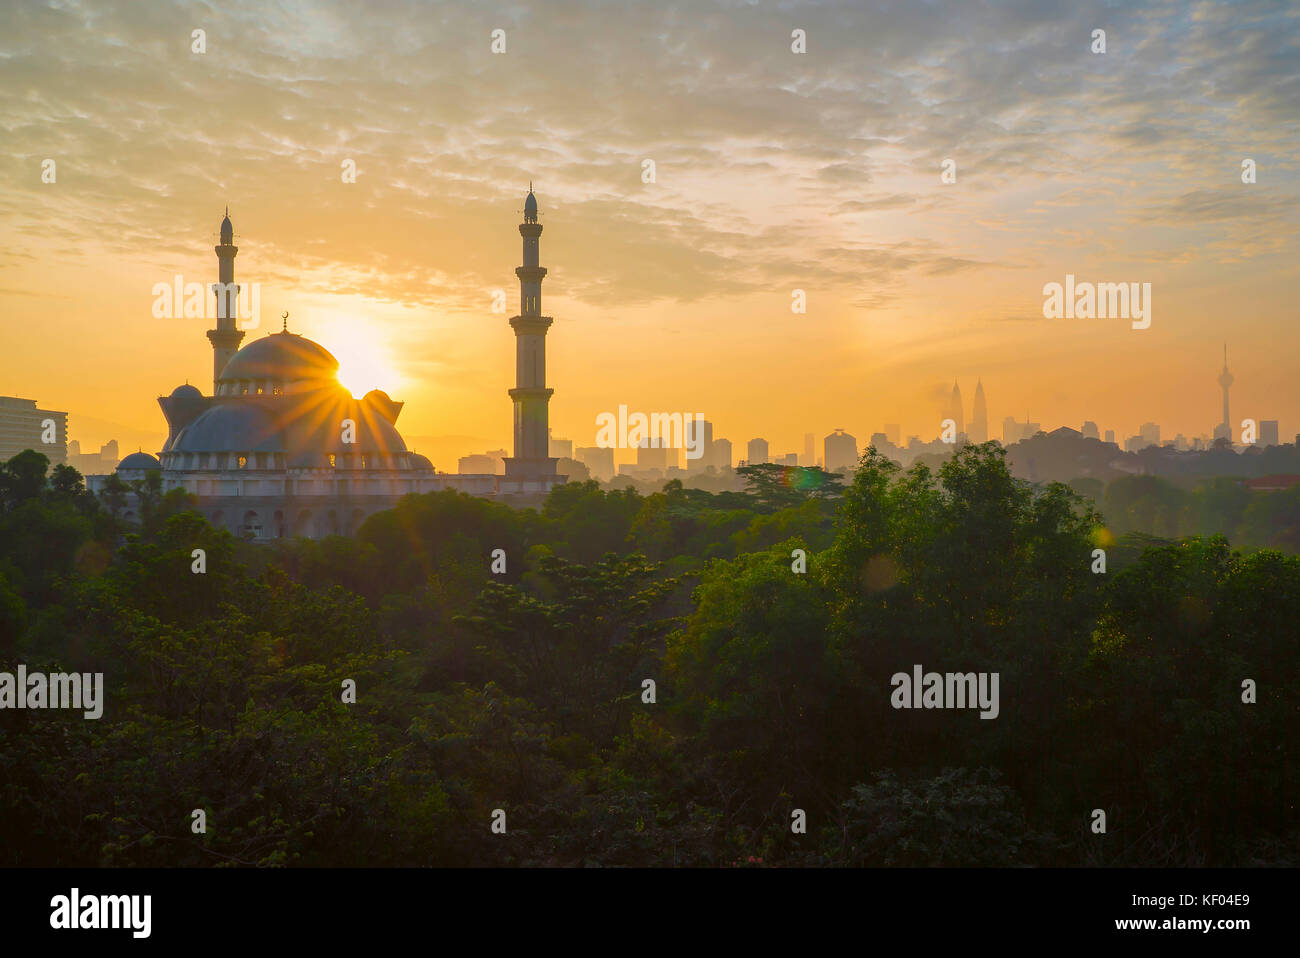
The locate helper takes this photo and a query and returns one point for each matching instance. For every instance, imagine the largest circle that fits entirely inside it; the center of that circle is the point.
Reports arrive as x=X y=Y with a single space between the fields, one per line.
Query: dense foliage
x=525 y=690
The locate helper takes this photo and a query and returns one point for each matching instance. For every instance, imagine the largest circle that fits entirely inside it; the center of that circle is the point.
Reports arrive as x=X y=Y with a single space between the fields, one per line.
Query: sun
x=363 y=363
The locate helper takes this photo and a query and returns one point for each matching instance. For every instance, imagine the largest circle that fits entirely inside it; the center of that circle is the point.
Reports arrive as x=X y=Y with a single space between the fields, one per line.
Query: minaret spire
x=531 y=397
x=227 y=336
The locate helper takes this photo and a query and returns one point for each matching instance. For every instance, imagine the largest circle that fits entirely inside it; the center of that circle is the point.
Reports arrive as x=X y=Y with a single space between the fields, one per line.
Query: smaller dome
x=227 y=230
x=139 y=460
x=421 y=462
x=186 y=392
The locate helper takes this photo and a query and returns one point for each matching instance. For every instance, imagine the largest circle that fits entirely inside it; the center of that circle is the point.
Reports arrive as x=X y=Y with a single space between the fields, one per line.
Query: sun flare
x=364 y=363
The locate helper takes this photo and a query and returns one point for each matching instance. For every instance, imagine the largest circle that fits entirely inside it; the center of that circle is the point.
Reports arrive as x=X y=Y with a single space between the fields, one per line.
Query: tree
x=66 y=481
x=114 y=493
x=23 y=478
x=576 y=641
x=148 y=493
x=756 y=678
x=958 y=817
x=776 y=486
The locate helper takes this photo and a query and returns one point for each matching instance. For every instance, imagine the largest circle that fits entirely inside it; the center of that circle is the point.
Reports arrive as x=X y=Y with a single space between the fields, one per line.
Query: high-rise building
x=23 y=426
x=1089 y=430
x=840 y=451
x=699 y=439
x=559 y=448
x=893 y=432
x=1268 y=432
x=1110 y=436
x=91 y=463
x=479 y=464
x=1013 y=431
x=756 y=452
x=651 y=457
x=532 y=464
x=954 y=409
x=789 y=459
x=979 y=424
x=809 y=449
x=598 y=459
x=721 y=458
x=1150 y=433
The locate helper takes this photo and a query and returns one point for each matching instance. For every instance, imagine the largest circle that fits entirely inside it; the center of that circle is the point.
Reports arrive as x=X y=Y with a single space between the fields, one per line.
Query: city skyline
x=976 y=429
x=774 y=173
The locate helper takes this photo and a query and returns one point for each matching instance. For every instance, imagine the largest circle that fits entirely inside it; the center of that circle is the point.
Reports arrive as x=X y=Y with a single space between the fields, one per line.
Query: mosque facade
x=282 y=449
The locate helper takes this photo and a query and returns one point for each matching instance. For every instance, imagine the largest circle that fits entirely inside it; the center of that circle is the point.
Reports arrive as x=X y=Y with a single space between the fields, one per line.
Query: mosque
x=282 y=449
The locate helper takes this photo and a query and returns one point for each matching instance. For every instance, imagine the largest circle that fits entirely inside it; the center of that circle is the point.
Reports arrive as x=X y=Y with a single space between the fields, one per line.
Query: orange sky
x=774 y=171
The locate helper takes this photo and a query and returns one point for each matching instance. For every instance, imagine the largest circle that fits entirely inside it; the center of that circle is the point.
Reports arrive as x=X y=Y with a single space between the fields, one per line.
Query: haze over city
x=773 y=171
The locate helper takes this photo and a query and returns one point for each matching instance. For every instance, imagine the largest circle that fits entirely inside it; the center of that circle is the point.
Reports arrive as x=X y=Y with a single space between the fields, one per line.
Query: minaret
x=1225 y=380
x=226 y=337
x=979 y=427
x=530 y=395
x=956 y=408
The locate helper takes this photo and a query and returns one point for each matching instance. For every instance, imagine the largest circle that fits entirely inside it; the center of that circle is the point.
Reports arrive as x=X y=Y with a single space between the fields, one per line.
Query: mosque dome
x=186 y=392
x=304 y=429
x=421 y=462
x=281 y=357
x=230 y=427
x=138 y=460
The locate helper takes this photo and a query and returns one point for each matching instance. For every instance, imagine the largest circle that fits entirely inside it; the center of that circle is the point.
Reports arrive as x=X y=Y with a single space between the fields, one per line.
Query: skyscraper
x=599 y=460
x=699 y=439
x=841 y=452
x=532 y=459
x=651 y=457
x=809 y=449
x=1089 y=430
x=721 y=458
x=756 y=452
x=23 y=426
x=954 y=410
x=979 y=425
x=1268 y=432
x=559 y=448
